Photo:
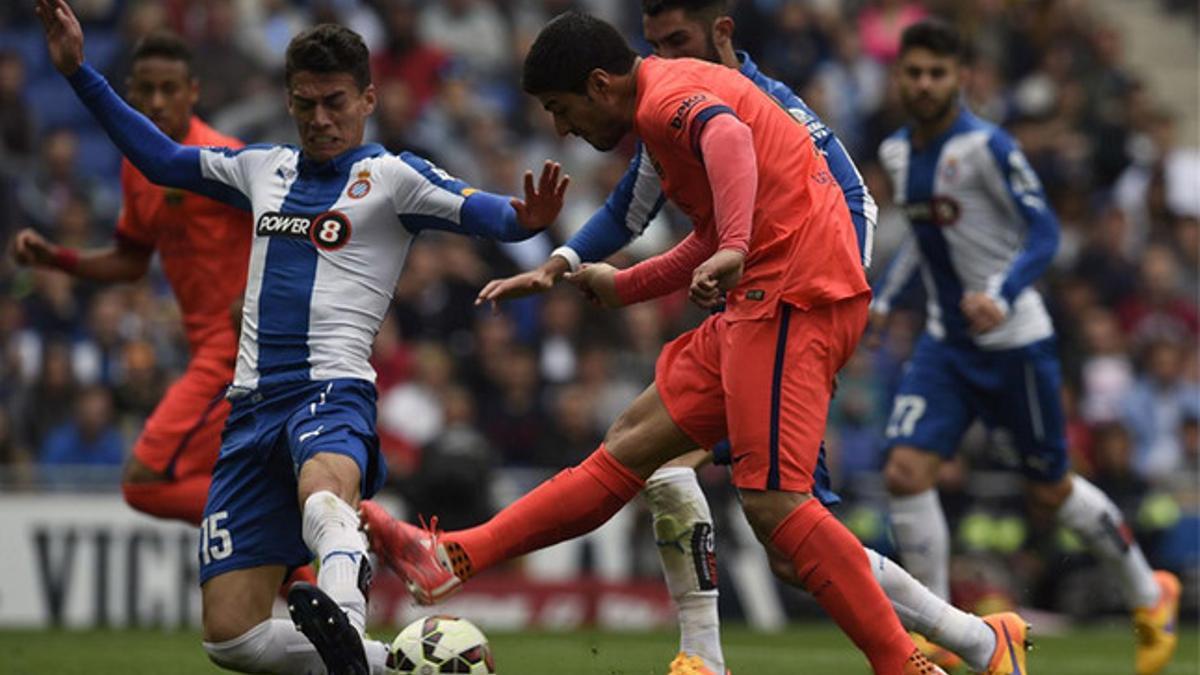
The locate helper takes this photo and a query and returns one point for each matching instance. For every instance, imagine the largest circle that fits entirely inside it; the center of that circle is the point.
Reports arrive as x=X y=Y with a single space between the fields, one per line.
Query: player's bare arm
x=114 y=263
x=524 y=284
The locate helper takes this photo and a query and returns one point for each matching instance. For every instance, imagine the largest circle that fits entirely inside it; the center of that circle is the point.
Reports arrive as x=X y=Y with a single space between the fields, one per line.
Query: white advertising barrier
x=90 y=560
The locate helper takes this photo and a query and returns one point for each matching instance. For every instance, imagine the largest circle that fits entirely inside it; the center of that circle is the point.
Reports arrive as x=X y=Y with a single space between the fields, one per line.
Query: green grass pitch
x=804 y=649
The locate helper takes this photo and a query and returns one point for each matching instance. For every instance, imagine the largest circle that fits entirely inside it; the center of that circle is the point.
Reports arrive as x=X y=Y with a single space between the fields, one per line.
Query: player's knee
x=621 y=433
x=766 y=509
x=333 y=472
x=235 y=602
x=909 y=472
x=220 y=627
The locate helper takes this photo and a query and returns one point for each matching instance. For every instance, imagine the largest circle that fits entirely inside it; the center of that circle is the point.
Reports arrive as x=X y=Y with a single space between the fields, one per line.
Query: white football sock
x=276 y=647
x=331 y=532
x=273 y=646
x=921 y=611
x=923 y=539
x=683 y=529
x=1093 y=516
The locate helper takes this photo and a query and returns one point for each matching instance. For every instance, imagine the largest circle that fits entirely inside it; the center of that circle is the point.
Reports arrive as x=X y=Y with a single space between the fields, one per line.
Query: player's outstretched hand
x=535 y=281
x=983 y=313
x=598 y=283
x=64 y=36
x=721 y=272
x=31 y=248
x=543 y=201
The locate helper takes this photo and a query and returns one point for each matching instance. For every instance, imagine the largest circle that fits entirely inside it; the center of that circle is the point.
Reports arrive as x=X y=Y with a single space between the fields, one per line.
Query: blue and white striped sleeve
x=428 y=198
x=156 y=155
x=626 y=213
x=898 y=275
x=236 y=169
x=1022 y=187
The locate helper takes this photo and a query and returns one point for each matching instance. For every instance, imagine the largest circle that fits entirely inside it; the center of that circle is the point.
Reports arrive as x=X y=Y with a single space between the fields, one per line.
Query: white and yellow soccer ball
x=433 y=645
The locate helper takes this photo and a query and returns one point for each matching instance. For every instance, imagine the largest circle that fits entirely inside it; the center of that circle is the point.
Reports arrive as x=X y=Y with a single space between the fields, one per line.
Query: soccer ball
x=441 y=644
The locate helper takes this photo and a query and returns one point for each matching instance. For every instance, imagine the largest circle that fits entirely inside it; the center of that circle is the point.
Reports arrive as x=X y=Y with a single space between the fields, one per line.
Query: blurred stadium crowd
x=466 y=394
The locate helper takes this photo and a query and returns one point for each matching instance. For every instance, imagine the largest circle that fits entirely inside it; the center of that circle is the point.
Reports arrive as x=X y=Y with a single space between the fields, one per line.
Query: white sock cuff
x=913 y=502
x=672 y=474
x=676 y=492
x=242 y=652
x=1085 y=504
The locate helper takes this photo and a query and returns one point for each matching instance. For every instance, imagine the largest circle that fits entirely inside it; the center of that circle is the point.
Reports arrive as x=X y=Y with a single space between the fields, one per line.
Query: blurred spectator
x=407 y=61
x=16 y=122
x=561 y=328
x=1155 y=410
x=1159 y=310
x=471 y=29
x=142 y=18
x=1160 y=183
x=15 y=460
x=797 y=46
x=97 y=358
x=411 y=413
x=573 y=433
x=217 y=54
x=1105 y=264
x=265 y=29
x=1107 y=372
x=881 y=23
x=142 y=384
x=513 y=419
x=854 y=86
x=89 y=439
x=454 y=478
x=55 y=182
x=52 y=310
x=435 y=297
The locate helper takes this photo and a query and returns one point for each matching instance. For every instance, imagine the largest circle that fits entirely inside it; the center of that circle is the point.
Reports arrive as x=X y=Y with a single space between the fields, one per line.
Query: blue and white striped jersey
x=639 y=196
x=329 y=238
x=979 y=223
x=329 y=243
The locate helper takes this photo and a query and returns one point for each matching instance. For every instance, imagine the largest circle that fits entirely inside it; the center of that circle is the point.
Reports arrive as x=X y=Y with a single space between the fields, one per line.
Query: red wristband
x=65 y=259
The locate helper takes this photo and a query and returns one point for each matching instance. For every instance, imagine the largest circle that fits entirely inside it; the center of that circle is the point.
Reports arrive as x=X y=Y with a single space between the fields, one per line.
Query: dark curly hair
x=329 y=48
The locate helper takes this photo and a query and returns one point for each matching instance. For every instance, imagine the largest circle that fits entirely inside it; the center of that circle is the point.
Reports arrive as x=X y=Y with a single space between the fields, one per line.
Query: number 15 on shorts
x=215 y=541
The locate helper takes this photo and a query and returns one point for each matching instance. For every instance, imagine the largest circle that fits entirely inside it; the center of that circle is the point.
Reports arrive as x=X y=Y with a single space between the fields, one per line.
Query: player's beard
x=928 y=109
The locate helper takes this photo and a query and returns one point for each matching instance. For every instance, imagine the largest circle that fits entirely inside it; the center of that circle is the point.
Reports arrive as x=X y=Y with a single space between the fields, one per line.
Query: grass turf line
x=806 y=649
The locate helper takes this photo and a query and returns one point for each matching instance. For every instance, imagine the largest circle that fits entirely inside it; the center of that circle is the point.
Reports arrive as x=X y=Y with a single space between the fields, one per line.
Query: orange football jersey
x=803 y=249
x=204 y=246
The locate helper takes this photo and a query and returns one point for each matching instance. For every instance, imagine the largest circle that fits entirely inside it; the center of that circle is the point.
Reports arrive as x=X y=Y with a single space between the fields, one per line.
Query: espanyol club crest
x=950 y=170
x=359 y=188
